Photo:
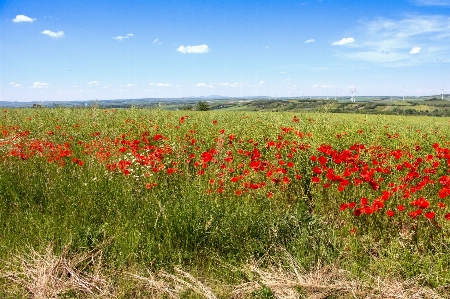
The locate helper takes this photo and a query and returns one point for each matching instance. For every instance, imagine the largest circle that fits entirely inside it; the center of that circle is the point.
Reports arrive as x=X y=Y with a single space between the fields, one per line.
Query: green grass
x=179 y=222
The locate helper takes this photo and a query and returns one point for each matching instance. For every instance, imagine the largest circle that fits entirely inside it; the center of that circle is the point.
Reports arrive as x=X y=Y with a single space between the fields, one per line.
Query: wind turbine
x=353 y=90
x=403 y=93
x=442 y=93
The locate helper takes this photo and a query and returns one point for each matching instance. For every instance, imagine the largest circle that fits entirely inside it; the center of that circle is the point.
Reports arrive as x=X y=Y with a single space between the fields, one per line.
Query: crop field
x=133 y=203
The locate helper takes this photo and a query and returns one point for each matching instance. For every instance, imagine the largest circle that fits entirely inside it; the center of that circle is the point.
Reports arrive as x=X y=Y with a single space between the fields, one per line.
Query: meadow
x=133 y=203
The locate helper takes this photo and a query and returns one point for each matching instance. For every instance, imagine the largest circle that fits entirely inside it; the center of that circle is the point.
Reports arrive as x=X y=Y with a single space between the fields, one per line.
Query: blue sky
x=86 y=50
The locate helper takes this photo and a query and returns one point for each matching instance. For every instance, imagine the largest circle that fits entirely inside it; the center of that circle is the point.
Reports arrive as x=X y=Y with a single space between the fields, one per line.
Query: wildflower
x=343 y=206
x=315 y=180
x=429 y=215
x=390 y=213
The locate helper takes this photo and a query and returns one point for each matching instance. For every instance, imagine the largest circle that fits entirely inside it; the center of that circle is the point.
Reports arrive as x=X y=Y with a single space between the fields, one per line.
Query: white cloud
x=40 y=85
x=131 y=85
x=310 y=41
x=93 y=83
x=432 y=2
x=391 y=42
x=261 y=83
x=415 y=50
x=53 y=34
x=344 y=41
x=201 y=85
x=119 y=38
x=22 y=18
x=161 y=84
x=13 y=84
x=201 y=49
x=156 y=41
x=315 y=86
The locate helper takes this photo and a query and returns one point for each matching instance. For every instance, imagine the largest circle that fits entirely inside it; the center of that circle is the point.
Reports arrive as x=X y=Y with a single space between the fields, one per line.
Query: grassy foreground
x=133 y=204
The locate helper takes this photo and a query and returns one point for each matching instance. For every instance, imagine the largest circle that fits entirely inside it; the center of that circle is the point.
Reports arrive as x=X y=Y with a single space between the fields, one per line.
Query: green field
x=136 y=203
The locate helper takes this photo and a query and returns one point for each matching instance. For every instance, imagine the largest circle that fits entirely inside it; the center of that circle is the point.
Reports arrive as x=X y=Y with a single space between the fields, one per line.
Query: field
x=134 y=203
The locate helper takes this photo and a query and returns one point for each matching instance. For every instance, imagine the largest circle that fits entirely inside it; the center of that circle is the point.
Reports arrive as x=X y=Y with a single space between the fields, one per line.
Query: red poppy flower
x=429 y=215
x=343 y=207
x=390 y=213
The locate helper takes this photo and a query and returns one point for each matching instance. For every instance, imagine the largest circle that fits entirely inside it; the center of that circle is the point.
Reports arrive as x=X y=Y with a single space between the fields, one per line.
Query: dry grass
x=287 y=280
x=169 y=285
x=46 y=275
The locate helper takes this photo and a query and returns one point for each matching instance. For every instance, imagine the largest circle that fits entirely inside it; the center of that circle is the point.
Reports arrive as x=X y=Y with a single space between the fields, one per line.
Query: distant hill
x=431 y=105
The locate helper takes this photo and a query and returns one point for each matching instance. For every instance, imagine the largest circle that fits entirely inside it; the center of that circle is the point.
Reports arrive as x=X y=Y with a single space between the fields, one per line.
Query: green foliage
x=202 y=106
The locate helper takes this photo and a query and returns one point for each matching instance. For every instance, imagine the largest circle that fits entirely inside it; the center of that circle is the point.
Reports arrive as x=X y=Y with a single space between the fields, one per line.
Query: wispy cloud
x=201 y=85
x=344 y=41
x=13 y=84
x=53 y=34
x=93 y=83
x=310 y=41
x=119 y=38
x=131 y=85
x=40 y=85
x=222 y=84
x=261 y=83
x=201 y=49
x=432 y=2
x=415 y=51
x=161 y=84
x=23 y=18
x=156 y=41
x=394 y=43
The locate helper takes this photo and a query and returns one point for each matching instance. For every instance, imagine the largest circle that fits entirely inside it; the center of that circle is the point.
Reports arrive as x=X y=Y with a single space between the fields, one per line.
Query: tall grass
x=156 y=219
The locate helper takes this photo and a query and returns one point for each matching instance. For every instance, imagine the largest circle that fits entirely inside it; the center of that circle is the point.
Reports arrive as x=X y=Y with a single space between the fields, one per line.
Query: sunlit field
x=212 y=194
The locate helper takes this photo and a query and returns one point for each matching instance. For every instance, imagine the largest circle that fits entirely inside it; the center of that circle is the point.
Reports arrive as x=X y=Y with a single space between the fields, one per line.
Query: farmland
x=209 y=193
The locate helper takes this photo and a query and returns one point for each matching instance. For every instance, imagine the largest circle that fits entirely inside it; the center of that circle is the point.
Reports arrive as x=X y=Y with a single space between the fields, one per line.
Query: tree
x=202 y=106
